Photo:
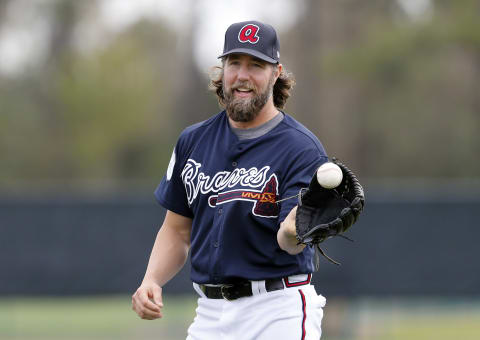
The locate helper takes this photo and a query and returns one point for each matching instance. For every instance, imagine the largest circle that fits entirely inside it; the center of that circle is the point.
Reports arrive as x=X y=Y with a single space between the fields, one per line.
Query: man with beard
x=224 y=191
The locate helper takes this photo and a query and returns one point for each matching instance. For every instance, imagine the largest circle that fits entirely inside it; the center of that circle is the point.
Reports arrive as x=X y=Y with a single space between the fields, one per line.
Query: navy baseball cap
x=253 y=38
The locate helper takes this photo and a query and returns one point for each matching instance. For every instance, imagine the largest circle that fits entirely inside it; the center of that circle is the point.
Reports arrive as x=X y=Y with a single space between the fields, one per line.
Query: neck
x=266 y=113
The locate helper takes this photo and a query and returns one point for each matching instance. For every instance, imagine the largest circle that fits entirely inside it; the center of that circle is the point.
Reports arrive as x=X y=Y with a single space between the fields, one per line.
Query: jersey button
x=234 y=163
x=220 y=211
x=215 y=244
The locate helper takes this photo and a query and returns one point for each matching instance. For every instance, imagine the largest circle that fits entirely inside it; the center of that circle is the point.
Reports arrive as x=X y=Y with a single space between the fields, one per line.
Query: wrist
x=287 y=240
x=149 y=279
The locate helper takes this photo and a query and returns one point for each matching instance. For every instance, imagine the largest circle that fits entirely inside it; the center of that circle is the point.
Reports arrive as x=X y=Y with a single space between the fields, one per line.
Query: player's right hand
x=147 y=301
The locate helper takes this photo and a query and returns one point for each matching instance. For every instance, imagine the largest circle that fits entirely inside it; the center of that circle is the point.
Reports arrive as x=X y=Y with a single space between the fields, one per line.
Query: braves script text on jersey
x=229 y=187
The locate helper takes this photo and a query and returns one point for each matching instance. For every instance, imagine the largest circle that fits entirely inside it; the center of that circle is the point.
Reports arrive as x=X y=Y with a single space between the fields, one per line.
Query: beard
x=246 y=109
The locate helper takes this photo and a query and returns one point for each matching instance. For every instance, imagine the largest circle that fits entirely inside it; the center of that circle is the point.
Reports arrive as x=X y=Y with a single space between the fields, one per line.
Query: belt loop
x=297 y=280
x=255 y=287
x=199 y=290
x=262 y=288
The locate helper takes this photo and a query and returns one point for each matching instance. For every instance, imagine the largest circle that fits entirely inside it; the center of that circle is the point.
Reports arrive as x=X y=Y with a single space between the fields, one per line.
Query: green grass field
x=110 y=317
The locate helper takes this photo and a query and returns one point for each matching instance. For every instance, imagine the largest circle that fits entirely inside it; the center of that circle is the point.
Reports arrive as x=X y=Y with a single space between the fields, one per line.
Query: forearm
x=286 y=235
x=169 y=254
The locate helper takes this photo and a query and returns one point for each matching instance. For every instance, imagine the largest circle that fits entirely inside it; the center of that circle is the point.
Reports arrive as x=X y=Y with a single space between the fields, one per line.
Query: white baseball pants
x=290 y=314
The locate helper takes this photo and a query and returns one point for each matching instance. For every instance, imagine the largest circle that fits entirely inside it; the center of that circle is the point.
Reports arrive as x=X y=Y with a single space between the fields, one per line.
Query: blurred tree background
x=393 y=91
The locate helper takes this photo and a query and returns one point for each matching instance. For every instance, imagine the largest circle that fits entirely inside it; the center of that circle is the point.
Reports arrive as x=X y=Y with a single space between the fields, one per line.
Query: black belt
x=243 y=289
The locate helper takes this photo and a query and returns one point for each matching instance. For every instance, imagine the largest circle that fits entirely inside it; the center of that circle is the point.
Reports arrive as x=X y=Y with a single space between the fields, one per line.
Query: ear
x=278 y=71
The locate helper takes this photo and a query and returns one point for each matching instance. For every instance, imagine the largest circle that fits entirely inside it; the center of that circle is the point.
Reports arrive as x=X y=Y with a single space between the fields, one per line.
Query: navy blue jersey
x=229 y=187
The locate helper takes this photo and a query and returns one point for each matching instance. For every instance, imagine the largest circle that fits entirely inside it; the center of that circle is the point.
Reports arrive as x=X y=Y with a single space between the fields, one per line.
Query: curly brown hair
x=281 y=89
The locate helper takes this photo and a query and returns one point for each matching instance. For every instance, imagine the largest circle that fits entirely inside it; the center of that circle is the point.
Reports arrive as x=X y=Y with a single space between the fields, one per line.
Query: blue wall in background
x=84 y=245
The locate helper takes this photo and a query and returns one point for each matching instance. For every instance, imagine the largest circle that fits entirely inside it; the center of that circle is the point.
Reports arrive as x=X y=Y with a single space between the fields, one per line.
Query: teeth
x=243 y=90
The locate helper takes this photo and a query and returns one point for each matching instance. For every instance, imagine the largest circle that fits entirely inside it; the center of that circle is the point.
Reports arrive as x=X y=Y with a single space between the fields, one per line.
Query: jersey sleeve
x=299 y=176
x=170 y=193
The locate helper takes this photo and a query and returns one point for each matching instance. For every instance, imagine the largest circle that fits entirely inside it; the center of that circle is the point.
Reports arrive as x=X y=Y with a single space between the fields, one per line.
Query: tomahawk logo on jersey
x=265 y=200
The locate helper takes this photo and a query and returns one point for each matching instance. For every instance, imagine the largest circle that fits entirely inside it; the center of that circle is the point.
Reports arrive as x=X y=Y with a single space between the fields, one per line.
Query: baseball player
x=222 y=191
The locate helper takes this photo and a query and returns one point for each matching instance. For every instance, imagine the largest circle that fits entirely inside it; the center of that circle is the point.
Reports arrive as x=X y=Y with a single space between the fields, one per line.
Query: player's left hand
x=324 y=213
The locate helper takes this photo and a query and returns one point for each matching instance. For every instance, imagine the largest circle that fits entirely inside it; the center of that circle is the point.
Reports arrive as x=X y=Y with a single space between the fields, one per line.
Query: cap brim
x=250 y=52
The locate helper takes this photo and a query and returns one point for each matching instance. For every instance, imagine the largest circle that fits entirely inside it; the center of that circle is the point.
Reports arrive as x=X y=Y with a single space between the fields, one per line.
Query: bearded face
x=245 y=109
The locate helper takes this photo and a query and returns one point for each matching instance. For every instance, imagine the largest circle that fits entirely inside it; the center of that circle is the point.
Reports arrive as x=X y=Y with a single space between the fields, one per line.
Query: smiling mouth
x=242 y=92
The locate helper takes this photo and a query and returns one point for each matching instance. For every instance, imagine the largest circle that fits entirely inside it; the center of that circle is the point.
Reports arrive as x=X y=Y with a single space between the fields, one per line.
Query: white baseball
x=329 y=175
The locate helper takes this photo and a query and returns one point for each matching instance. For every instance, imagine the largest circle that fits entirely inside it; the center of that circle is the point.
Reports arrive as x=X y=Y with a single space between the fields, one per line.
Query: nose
x=243 y=74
